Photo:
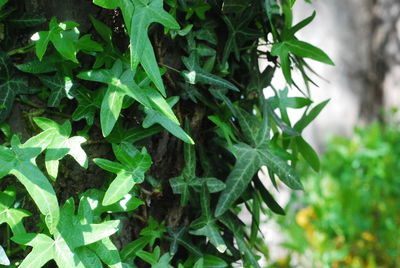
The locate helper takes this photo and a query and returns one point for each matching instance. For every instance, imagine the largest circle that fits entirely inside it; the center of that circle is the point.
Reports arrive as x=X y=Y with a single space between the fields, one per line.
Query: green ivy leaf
x=3 y=2
x=60 y=87
x=306 y=50
x=65 y=38
x=121 y=83
x=188 y=179
x=308 y=153
x=12 y=216
x=155 y=117
x=11 y=85
x=63 y=35
x=130 y=171
x=58 y=144
x=211 y=261
x=234 y=225
x=146 y=12
x=180 y=237
x=26 y=20
x=20 y=162
x=196 y=74
x=66 y=247
x=307 y=118
x=206 y=224
x=238 y=33
x=132 y=135
x=46 y=65
x=248 y=162
x=88 y=103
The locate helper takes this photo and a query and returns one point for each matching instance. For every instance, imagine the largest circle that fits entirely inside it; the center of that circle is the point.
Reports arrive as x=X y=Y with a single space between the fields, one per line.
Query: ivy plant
x=134 y=137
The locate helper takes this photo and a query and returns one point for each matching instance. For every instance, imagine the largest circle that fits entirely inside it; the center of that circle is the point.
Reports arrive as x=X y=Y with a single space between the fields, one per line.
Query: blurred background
x=349 y=213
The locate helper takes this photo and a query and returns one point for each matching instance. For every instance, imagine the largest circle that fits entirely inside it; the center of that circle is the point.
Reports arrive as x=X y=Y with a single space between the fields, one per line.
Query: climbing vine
x=169 y=121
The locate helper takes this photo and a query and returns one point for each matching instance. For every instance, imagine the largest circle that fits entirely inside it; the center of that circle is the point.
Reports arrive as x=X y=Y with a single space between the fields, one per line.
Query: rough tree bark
x=166 y=150
x=383 y=71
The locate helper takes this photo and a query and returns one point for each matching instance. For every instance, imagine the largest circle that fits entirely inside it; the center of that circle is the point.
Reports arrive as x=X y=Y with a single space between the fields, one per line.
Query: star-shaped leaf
x=248 y=161
x=67 y=247
x=154 y=258
x=11 y=85
x=20 y=162
x=196 y=74
x=10 y=215
x=188 y=179
x=56 y=140
x=180 y=237
x=60 y=86
x=65 y=38
x=130 y=170
x=121 y=83
x=149 y=234
x=88 y=103
x=206 y=224
x=239 y=32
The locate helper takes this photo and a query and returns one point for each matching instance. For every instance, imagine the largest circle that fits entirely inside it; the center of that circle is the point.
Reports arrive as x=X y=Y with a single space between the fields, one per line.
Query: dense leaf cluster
x=186 y=86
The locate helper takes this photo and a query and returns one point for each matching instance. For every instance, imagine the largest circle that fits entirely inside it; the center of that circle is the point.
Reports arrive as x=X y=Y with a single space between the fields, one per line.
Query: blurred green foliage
x=350 y=211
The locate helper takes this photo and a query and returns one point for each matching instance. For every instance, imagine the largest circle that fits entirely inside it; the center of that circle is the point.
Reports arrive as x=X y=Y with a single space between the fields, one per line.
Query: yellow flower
x=304 y=216
x=367 y=236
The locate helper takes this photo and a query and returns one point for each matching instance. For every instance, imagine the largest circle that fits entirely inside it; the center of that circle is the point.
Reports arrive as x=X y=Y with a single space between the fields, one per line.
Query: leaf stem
x=169 y=67
x=21 y=50
x=40 y=107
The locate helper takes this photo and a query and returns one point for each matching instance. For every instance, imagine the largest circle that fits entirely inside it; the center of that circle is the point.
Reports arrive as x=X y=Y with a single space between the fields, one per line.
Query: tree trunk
x=384 y=58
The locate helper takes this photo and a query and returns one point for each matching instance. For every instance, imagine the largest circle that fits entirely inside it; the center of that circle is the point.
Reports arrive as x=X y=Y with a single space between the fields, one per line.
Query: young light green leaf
x=118 y=188
x=306 y=50
x=130 y=172
x=63 y=36
x=76 y=233
x=306 y=119
x=56 y=140
x=110 y=109
x=107 y=252
x=121 y=83
x=20 y=162
x=12 y=216
x=67 y=248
